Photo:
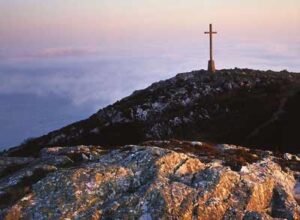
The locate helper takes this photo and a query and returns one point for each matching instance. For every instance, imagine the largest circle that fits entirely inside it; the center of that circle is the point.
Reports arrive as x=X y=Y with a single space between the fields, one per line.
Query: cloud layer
x=63 y=52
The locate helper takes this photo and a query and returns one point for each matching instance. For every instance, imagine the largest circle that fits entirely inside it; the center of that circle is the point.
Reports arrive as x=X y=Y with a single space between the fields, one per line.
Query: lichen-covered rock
x=193 y=181
x=11 y=164
x=76 y=153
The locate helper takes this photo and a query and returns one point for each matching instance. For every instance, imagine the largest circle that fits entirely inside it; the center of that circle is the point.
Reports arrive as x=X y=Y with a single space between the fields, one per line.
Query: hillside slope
x=237 y=106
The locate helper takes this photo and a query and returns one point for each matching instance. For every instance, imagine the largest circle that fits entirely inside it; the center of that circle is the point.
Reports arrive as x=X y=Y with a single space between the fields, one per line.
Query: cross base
x=211 y=66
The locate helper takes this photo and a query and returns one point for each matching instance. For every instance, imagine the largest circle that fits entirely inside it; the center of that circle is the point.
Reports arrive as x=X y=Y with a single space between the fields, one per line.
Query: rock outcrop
x=238 y=106
x=155 y=180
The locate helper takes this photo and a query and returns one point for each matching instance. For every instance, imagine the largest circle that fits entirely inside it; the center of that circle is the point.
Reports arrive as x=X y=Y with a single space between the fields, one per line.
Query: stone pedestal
x=211 y=66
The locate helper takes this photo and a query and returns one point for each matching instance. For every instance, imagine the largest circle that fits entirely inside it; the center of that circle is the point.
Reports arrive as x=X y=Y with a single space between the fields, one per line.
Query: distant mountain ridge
x=238 y=106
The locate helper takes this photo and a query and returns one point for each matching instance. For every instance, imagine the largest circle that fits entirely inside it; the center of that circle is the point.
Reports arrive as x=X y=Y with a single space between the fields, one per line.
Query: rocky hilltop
x=237 y=106
x=107 y=167
x=155 y=180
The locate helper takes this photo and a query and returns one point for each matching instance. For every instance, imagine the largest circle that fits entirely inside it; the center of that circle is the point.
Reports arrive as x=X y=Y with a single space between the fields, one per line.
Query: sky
x=132 y=24
x=61 y=61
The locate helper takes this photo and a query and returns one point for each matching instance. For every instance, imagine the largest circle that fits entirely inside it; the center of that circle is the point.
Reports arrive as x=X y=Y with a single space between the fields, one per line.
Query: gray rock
x=156 y=182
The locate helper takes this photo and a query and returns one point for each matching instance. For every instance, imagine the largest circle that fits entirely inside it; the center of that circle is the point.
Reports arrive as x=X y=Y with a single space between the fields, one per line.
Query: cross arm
x=210 y=32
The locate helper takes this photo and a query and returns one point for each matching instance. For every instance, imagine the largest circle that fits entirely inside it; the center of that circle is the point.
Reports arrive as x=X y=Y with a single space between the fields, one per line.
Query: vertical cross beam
x=211 y=62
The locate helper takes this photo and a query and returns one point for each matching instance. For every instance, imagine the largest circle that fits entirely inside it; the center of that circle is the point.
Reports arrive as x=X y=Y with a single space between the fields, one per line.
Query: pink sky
x=88 y=22
x=148 y=26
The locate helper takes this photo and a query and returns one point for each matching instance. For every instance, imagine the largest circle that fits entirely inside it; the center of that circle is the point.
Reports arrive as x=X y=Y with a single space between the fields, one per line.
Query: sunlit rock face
x=239 y=106
x=154 y=180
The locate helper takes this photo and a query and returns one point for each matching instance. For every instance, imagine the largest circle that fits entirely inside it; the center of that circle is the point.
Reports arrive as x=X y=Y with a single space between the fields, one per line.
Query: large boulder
x=193 y=181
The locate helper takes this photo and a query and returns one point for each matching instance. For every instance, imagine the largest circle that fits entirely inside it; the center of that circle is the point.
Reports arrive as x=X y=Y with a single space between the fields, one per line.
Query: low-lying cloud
x=95 y=83
x=64 y=52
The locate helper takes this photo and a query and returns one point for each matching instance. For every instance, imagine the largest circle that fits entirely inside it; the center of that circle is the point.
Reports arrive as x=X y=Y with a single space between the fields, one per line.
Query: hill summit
x=238 y=106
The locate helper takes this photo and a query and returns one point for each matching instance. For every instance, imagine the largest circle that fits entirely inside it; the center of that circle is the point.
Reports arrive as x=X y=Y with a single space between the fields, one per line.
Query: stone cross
x=211 y=62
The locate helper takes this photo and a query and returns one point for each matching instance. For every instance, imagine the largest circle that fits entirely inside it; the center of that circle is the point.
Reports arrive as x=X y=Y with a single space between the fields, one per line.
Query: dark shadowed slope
x=237 y=106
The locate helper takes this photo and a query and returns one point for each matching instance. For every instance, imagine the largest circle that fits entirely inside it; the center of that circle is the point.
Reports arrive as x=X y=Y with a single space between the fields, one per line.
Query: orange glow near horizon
x=55 y=23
